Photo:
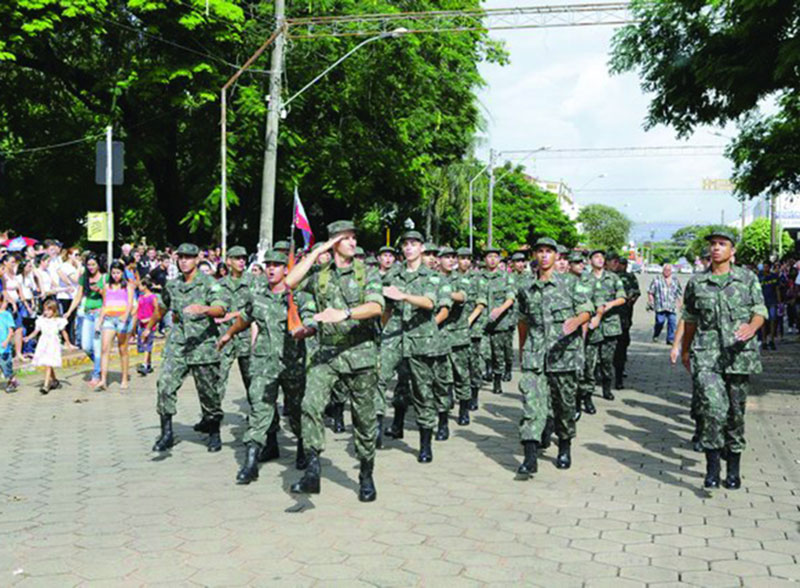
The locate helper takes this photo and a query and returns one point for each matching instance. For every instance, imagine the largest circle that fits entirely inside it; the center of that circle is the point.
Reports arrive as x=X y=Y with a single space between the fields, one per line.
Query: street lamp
x=597 y=177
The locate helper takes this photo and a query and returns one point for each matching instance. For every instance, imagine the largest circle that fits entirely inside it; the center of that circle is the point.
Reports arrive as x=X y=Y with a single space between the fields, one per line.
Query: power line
x=624 y=152
x=54 y=145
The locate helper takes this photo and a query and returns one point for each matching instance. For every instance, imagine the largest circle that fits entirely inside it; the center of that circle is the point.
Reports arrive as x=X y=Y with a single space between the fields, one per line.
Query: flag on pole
x=301 y=221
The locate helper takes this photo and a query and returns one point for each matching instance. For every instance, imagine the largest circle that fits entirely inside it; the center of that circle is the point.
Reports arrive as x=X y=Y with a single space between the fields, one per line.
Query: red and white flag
x=301 y=221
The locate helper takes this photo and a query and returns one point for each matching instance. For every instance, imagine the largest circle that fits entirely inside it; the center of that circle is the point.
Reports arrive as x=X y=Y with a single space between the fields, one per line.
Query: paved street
x=84 y=501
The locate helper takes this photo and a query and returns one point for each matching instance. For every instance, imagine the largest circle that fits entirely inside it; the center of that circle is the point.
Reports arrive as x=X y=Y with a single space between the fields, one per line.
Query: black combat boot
x=547 y=433
x=442 y=431
x=366 y=485
x=497 y=387
x=578 y=411
x=712 y=468
x=379 y=433
x=607 y=394
x=214 y=443
x=564 y=459
x=425 y=450
x=203 y=425
x=249 y=471
x=166 y=439
x=300 y=459
x=733 y=481
x=529 y=465
x=697 y=444
x=395 y=431
x=473 y=401
x=487 y=375
x=463 y=412
x=338 y=417
x=270 y=450
x=309 y=483
x=588 y=405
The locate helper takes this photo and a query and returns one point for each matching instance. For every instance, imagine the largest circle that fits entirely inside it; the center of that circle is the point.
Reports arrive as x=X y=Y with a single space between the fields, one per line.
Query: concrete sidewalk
x=84 y=501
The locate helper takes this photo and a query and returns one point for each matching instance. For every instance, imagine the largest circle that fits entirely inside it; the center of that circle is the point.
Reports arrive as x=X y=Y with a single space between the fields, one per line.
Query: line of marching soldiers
x=431 y=319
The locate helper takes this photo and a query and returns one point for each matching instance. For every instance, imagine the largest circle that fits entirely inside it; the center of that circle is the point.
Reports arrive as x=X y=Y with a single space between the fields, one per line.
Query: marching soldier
x=501 y=292
x=632 y=293
x=195 y=300
x=474 y=307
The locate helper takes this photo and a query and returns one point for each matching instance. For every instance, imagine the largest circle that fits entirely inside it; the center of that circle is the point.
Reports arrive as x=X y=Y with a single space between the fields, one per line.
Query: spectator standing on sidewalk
x=770 y=287
x=664 y=297
x=6 y=339
x=90 y=295
x=145 y=308
x=69 y=275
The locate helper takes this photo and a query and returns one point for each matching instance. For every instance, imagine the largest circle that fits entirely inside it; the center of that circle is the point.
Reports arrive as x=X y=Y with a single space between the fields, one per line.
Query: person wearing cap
x=577 y=266
x=361 y=255
x=282 y=247
x=723 y=311
x=195 y=300
x=562 y=261
x=278 y=360
x=344 y=300
x=386 y=259
x=429 y=255
x=552 y=310
x=415 y=292
x=523 y=276
x=474 y=308
x=608 y=294
x=632 y=294
x=442 y=370
x=501 y=293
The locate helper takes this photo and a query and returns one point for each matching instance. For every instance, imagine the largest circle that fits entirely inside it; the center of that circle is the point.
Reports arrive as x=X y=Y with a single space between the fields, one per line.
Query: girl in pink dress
x=48 y=349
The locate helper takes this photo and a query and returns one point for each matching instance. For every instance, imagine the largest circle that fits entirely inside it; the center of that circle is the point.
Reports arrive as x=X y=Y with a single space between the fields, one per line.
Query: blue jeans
x=90 y=340
x=671 y=319
x=6 y=363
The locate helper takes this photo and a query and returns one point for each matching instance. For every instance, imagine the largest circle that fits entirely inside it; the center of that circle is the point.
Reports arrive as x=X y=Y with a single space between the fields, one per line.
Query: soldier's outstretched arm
x=299 y=271
x=476 y=313
x=236 y=328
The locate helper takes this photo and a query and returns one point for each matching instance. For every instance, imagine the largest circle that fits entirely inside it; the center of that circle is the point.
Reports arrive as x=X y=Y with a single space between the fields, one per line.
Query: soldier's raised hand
x=328 y=245
x=330 y=315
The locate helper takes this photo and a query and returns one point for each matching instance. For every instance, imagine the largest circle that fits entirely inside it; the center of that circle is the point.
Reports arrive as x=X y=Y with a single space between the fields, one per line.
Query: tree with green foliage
x=711 y=63
x=604 y=227
x=755 y=244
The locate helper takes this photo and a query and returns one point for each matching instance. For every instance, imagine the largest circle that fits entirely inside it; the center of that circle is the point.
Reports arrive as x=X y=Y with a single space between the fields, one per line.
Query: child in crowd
x=145 y=310
x=7 y=328
x=48 y=349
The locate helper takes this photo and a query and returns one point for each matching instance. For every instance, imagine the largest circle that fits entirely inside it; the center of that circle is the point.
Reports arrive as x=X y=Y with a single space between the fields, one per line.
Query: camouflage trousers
x=601 y=356
x=508 y=350
x=391 y=362
x=694 y=406
x=476 y=363
x=543 y=394
x=225 y=369
x=421 y=369
x=722 y=400
x=443 y=383
x=324 y=373
x=206 y=377
x=501 y=350
x=262 y=395
x=460 y=366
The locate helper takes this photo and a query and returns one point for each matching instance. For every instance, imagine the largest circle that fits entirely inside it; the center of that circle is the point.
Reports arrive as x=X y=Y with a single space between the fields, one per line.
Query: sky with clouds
x=557 y=92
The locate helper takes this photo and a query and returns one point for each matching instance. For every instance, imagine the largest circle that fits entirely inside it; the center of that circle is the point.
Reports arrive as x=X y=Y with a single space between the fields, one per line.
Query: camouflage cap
x=387 y=249
x=412 y=235
x=432 y=248
x=561 y=250
x=623 y=260
x=612 y=256
x=488 y=250
x=446 y=251
x=464 y=252
x=724 y=233
x=593 y=251
x=340 y=226
x=546 y=242
x=576 y=257
x=275 y=256
x=237 y=251
x=281 y=246
x=519 y=256
x=188 y=249
x=360 y=251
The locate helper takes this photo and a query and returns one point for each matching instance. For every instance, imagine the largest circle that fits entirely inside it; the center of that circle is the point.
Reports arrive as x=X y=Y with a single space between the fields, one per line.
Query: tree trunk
x=162 y=167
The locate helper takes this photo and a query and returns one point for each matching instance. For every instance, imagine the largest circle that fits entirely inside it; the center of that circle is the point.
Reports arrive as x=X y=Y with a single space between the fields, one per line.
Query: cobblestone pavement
x=84 y=501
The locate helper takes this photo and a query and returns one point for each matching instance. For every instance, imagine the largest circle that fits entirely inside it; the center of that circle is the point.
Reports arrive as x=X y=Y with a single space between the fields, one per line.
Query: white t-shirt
x=67 y=287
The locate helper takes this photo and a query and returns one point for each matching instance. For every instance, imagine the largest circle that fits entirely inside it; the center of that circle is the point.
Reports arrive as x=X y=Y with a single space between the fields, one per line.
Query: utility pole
x=273 y=122
x=772 y=208
x=744 y=211
x=492 y=156
x=722 y=217
x=109 y=194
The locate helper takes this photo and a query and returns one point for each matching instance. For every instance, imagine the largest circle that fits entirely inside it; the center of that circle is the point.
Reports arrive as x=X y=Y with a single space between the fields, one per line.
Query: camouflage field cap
x=464 y=252
x=546 y=242
x=612 y=256
x=237 y=251
x=576 y=257
x=446 y=251
x=519 y=256
x=432 y=248
x=275 y=256
x=560 y=249
x=724 y=233
x=281 y=246
x=340 y=226
x=412 y=235
x=360 y=252
x=188 y=249
x=593 y=251
x=387 y=249
x=488 y=250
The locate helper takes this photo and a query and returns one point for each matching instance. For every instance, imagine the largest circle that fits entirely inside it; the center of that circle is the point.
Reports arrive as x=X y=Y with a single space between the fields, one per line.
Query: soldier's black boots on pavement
x=379 y=433
x=547 y=433
x=497 y=387
x=166 y=439
x=300 y=459
x=529 y=464
x=578 y=411
x=463 y=412
x=443 y=430
x=249 y=471
x=338 y=417
x=712 y=468
x=564 y=459
x=214 y=440
x=203 y=425
x=395 y=431
x=507 y=374
x=588 y=405
x=425 y=450
x=309 y=483
x=473 y=402
x=366 y=485
x=270 y=450
x=733 y=481
x=607 y=394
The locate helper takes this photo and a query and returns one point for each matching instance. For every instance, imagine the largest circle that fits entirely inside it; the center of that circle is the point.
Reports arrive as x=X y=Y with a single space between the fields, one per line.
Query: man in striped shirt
x=664 y=296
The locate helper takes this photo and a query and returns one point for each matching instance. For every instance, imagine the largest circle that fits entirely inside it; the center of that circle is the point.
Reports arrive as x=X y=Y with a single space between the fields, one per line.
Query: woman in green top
x=90 y=293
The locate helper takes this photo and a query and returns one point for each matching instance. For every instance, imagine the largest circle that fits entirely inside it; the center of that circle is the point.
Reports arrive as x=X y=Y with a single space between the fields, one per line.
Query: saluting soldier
x=619 y=265
x=474 y=308
x=552 y=310
x=500 y=295
x=195 y=300
x=345 y=298
x=723 y=311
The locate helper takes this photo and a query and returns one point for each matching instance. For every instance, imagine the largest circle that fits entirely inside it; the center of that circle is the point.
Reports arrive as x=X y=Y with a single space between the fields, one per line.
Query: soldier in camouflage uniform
x=474 y=308
x=430 y=252
x=278 y=359
x=442 y=369
x=344 y=300
x=632 y=293
x=723 y=311
x=562 y=261
x=607 y=295
x=577 y=264
x=414 y=289
x=500 y=295
x=195 y=300
x=552 y=309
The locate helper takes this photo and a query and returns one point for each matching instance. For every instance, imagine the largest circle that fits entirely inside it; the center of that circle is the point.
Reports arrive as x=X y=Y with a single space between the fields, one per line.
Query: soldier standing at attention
x=632 y=293
x=723 y=310
x=474 y=307
x=344 y=299
x=562 y=261
x=391 y=352
x=577 y=265
x=501 y=292
x=607 y=293
x=414 y=289
x=442 y=369
x=195 y=300
x=552 y=310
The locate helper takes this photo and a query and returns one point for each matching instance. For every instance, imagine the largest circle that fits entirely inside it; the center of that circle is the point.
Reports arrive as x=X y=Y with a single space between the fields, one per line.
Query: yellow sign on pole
x=97 y=226
x=718 y=184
